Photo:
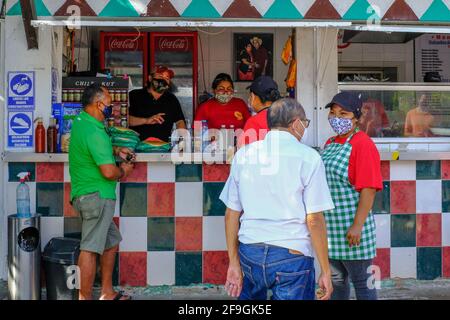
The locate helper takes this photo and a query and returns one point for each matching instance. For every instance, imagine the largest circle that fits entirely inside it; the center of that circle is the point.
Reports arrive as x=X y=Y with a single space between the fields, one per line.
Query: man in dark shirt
x=261 y=56
x=154 y=110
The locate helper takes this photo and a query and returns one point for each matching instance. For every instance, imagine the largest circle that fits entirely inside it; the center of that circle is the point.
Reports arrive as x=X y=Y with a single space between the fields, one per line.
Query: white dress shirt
x=276 y=182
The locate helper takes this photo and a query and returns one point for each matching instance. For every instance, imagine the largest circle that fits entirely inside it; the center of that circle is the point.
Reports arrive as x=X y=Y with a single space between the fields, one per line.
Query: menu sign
x=433 y=55
x=83 y=82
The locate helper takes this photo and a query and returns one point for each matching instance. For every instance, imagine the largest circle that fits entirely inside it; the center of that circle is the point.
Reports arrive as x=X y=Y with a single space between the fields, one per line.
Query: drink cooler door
x=178 y=51
x=125 y=53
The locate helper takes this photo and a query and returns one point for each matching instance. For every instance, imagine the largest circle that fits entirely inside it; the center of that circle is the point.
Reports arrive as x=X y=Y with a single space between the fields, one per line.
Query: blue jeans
x=289 y=276
x=342 y=271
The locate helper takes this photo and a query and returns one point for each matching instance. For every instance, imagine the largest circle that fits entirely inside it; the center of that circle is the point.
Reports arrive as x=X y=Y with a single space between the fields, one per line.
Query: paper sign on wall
x=433 y=55
x=20 y=130
x=21 y=91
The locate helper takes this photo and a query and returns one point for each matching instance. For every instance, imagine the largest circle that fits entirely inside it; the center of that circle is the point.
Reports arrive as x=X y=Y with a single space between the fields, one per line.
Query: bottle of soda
x=173 y=137
x=205 y=135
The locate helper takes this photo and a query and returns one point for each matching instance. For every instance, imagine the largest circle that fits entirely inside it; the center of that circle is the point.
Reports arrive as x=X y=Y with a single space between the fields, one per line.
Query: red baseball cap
x=164 y=69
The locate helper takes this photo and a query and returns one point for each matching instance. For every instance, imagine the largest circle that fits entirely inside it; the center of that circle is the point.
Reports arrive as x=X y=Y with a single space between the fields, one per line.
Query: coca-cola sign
x=173 y=44
x=123 y=44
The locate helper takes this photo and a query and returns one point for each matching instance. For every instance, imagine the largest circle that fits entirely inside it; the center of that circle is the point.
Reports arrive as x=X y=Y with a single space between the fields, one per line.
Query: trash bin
x=60 y=259
x=24 y=258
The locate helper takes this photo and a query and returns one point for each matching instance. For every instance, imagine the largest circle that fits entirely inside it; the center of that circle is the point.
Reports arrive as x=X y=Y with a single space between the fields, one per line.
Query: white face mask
x=304 y=137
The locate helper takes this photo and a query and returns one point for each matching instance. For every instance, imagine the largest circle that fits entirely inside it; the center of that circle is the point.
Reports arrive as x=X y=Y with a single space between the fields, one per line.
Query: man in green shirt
x=94 y=175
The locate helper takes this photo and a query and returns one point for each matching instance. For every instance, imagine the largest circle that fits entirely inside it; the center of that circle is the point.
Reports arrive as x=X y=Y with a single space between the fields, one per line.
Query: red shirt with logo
x=255 y=129
x=364 y=169
x=233 y=113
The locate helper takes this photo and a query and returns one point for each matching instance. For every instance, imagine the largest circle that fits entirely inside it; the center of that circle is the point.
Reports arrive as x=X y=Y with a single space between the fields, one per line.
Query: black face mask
x=160 y=85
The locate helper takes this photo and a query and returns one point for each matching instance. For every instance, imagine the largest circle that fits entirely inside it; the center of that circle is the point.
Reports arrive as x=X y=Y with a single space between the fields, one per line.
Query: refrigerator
x=179 y=52
x=125 y=53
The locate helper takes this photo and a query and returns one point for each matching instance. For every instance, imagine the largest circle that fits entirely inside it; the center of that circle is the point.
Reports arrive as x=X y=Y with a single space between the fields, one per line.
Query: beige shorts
x=98 y=231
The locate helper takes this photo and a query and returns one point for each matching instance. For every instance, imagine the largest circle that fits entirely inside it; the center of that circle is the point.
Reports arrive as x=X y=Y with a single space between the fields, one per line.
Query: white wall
x=317 y=78
x=3 y=235
x=399 y=55
x=18 y=58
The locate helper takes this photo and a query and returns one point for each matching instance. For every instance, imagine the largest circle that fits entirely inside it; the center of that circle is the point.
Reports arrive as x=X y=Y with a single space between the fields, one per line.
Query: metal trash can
x=24 y=258
x=60 y=259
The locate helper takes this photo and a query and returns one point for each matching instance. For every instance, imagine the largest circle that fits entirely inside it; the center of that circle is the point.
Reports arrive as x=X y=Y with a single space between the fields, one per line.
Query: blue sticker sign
x=20 y=130
x=21 y=90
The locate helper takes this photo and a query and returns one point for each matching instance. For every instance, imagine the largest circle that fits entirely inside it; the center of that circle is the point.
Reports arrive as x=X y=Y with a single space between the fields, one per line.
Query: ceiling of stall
x=352 y=36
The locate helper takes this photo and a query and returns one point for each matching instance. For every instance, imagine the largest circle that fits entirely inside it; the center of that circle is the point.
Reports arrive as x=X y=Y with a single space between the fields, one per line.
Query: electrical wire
x=203 y=62
x=79 y=49
x=139 y=34
x=211 y=33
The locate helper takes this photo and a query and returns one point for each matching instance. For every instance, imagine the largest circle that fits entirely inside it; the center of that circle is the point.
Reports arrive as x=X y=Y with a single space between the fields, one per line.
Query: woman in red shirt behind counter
x=224 y=108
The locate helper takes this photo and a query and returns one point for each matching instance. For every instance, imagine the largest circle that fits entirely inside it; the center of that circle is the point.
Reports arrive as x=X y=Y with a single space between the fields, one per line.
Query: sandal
x=120 y=295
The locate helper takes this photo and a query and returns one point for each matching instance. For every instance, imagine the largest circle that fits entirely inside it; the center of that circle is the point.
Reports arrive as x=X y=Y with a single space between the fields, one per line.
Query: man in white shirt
x=275 y=196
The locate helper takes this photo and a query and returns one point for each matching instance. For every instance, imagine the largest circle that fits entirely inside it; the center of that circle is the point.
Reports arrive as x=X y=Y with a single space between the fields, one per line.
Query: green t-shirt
x=90 y=147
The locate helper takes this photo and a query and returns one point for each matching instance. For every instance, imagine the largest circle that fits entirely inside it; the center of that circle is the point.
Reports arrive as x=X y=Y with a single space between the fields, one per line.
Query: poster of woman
x=253 y=55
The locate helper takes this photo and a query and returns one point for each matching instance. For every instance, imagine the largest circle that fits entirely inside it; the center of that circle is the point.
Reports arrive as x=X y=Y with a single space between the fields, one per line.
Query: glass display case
x=404 y=110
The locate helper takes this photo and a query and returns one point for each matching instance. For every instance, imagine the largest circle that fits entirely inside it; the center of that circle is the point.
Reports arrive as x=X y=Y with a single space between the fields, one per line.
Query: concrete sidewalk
x=397 y=289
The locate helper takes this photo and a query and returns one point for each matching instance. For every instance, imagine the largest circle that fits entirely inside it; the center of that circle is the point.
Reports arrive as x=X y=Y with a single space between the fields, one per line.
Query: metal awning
x=403 y=28
x=143 y=23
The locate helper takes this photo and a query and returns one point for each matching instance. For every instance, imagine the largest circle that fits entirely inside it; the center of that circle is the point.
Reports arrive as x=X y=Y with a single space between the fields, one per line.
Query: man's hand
x=125 y=154
x=156 y=119
x=127 y=168
x=326 y=286
x=233 y=285
x=354 y=235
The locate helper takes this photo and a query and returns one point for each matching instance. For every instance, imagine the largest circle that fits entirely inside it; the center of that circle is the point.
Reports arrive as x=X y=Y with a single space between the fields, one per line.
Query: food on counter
x=153 y=145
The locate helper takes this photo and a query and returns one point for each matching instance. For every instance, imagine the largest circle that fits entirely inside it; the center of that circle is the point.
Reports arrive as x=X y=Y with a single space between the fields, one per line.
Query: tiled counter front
x=173 y=228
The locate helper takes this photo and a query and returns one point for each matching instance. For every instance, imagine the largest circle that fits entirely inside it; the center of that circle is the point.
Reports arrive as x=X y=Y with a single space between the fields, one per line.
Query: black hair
x=90 y=93
x=270 y=95
x=222 y=77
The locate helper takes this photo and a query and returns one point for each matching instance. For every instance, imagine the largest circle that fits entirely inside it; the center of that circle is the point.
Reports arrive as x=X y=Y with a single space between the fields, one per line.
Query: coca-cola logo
x=174 y=44
x=123 y=44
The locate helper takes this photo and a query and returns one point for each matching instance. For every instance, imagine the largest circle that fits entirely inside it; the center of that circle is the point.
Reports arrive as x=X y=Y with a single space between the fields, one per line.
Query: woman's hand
x=354 y=235
x=156 y=119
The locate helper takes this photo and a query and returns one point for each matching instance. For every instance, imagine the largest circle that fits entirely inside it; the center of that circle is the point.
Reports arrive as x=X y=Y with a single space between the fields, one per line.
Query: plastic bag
x=121 y=131
x=125 y=139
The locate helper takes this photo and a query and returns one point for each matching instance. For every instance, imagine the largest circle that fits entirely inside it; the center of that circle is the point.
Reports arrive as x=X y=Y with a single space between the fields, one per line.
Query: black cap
x=348 y=101
x=262 y=85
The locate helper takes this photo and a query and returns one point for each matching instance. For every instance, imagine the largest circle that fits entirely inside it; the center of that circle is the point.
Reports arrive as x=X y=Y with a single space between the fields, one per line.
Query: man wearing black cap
x=263 y=92
x=353 y=170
